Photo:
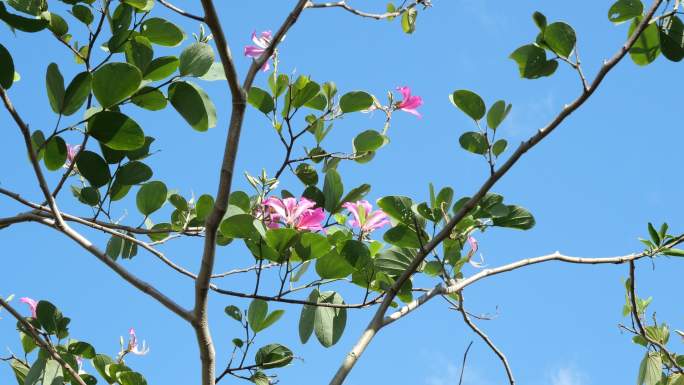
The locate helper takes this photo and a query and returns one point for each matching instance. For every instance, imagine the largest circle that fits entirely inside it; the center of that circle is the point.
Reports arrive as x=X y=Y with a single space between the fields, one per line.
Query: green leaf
x=355 y=101
x=151 y=197
x=517 y=218
x=161 y=68
x=532 y=63
x=672 y=38
x=355 y=194
x=82 y=349
x=133 y=173
x=6 y=68
x=674 y=252
x=332 y=266
x=121 y=18
x=623 y=10
x=408 y=20
x=114 y=82
x=273 y=356
x=54 y=83
x=31 y=7
x=280 y=239
x=561 y=38
x=93 y=168
x=398 y=207
x=497 y=113
x=311 y=245
x=499 y=147
x=48 y=316
x=114 y=247
x=205 y=204
x=55 y=153
x=100 y=362
x=403 y=236
x=116 y=130
x=469 y=102
x=369 y=140
x=256 y=313
x=196 y=59
x=162 y=32
x=141 y=5
x=539 y=20
x=655 y=237
x=56 y=24
x=261 y=100
x=307 y=174
x=76 y=93
x=82 y=13
x=393 y=262
x=36 y=372
x=193 y=104
x=234 y=312
x=307 y=317
x=128 y=377
x=332 y=190
x=21 y=23
x=650 y=370
x=241 y=226
x=647 y=47
x=139 y=52
x=474 y=142
x=305 y=94
x=149 y=98
x=270 y=319
x=329 y=322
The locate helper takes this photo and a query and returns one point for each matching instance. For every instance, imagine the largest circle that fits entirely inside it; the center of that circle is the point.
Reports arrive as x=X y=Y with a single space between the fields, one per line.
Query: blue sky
x=592 y=186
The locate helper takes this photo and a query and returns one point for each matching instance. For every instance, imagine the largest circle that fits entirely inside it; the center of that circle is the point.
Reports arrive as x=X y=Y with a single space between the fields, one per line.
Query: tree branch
x=376 y=322
x=180 y=11
x=376 y=16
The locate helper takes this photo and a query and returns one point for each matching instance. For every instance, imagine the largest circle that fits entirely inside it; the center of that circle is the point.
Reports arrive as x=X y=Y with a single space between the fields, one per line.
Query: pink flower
x=32 y=304
x=473 y=248
x=261 y=44
x=364 y=217
x=300 y=215
x=133 y=344
x=72 y=151
x=410 y=103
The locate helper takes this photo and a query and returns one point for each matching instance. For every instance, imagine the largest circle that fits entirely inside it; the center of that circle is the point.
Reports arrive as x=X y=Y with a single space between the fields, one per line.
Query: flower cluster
x=288 y=212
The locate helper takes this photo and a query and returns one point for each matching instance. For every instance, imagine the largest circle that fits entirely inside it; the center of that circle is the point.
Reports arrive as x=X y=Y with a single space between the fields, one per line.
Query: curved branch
x=486 y=339
x=377 y=322
x=377 y=16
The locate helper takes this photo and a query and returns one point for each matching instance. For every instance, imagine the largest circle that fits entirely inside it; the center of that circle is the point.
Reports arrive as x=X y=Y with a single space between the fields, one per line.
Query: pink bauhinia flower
x=32 y=304
x=410 y=103
x=473 y=249
x=300 y=215
x=365 y=218
x=72 y=151
x=133 y=344
x=261 y=43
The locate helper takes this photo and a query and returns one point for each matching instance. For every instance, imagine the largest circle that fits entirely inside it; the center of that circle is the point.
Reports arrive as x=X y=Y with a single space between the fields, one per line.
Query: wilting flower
x=410 y=103
x=32 y=304
x=72 y=151
x=365 y=218
x=261 y=43
x=473 y=249
x=133 y=344
x=300 y=215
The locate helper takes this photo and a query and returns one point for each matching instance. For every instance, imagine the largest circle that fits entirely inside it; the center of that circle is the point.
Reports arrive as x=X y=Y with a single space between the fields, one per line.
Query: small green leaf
x=55 y=88
x=161 y=68
x=234 y=312
x=76 y=93
x=133 y=173
x=273 y=356
x=329 y=322
x=307 y=174
x=369 y=140
x=497 y=113
x=256 y=313
x=149 y=98
x=162 y=32
x=469 y=102
x=408 y=20
x=193 y=104
x=672 y=38
x=647 y=47
x=517 y=218
x=561 y=38
x=83 y=14
x=539 y=20
x=151 y=197
x=6 y=68
x=261 y=100
x=93 y=168
x=355 y=101
x=114 y=82
x=55 y=153
x=403 y=236
x=623 y=10
x=332 y=190
x=532 y=63
x=116 y=130
x=196 y=59
x=474 y=142
x=499 y=147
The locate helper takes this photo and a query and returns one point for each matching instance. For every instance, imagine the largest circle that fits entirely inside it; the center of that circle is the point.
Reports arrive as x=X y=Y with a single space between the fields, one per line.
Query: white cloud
x=568 y=376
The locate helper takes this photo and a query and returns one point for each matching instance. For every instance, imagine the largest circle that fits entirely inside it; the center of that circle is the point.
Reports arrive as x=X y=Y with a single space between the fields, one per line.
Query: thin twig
x=180 y=11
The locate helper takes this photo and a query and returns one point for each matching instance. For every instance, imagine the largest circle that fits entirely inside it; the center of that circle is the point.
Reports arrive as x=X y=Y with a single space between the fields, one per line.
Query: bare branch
x=41 y=342
x=180 y=11
x=377 y=16
x=486 y=339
